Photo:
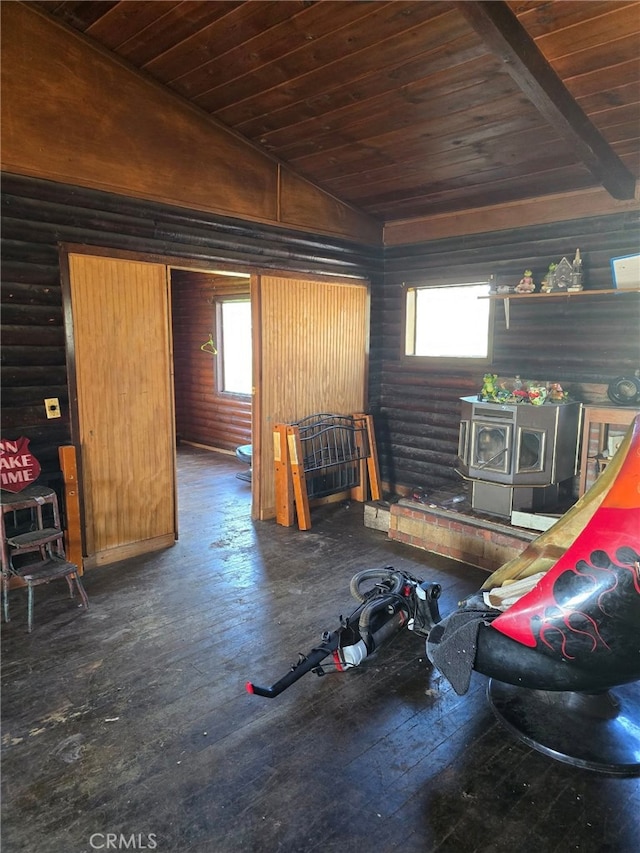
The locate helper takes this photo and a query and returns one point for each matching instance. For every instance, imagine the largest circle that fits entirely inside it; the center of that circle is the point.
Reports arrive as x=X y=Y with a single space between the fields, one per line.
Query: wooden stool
x=41 y=537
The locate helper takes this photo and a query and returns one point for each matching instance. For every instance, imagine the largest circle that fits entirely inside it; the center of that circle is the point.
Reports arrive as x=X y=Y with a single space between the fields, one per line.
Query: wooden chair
x=33 y=545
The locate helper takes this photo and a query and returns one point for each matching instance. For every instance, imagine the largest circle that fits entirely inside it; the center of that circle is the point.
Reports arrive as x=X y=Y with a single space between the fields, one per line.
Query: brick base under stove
x=480 y=542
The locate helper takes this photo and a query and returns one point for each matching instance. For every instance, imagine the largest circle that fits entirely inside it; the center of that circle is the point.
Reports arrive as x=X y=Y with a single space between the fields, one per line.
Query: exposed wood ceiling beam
x=506 y=37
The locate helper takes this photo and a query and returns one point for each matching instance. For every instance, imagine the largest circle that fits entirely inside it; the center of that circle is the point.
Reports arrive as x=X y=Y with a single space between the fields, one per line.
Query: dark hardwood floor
x=131 y=721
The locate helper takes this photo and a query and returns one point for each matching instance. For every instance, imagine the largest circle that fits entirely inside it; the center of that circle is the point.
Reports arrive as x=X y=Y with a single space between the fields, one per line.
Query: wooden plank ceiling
x=402 y=109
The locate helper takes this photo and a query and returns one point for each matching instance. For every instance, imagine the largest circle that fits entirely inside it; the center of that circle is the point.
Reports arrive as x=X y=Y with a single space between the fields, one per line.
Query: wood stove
x=516 y=455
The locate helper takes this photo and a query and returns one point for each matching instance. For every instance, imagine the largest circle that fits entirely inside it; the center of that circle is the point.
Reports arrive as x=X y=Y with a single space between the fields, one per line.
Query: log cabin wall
x=582 y=342
x=39 y=215
x=203 y=415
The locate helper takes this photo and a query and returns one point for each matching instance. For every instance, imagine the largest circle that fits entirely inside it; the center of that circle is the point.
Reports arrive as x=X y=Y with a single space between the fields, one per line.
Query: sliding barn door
x=310 y=356
x=122 y=352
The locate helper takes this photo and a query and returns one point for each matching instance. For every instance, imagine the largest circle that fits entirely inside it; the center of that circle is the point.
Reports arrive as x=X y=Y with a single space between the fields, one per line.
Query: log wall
x=582 y=342
x=38 y=216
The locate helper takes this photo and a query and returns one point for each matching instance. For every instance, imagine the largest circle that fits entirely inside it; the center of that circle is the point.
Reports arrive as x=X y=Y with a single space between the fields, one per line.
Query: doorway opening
x=212 y=362
x=211 y=328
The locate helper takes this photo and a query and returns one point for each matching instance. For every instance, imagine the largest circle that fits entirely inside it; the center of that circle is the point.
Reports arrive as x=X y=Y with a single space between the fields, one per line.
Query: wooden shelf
x=554 y=293
x=507 y=297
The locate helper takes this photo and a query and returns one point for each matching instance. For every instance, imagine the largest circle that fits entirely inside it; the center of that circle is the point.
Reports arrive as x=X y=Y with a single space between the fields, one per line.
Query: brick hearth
x=480 y=542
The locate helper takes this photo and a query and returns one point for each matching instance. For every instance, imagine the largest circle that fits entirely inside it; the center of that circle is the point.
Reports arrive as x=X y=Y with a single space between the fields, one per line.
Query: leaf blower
x=396 y=600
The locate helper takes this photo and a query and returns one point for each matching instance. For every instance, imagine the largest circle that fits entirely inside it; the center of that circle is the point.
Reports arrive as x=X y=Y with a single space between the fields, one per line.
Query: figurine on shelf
x=520 y=390
x=556 y=393
x=521 y=395
x=489 y=389
x=576 y=275
x=537 y=393
x=562 y=276
x=526 y=284
x=546 y=285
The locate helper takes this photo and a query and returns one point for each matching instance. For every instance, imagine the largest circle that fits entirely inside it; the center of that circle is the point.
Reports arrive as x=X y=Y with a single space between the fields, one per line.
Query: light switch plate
x=52 y=407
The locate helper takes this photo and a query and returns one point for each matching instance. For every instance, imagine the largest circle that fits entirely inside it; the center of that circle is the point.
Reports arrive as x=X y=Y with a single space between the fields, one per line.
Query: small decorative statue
x=576 y=275
x=520 y=390
x=546 y=285
x=526 y=284
x=556 y=393
x=562 y=275
x=537 y=394
x=489 y=389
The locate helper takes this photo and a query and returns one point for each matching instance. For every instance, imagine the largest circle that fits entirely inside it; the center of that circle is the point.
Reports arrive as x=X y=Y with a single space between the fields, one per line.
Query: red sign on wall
x=18 y=467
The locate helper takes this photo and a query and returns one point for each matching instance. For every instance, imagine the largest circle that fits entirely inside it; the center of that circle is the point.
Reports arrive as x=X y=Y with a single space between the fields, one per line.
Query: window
x=449 y=321
x=233 y=321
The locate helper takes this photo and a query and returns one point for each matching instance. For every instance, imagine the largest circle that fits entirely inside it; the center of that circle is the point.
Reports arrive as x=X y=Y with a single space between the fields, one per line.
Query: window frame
x=446 y=362
x=219 y=360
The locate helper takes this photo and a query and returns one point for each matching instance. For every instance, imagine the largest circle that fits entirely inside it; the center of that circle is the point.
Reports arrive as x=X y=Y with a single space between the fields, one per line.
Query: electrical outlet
x=52 y=407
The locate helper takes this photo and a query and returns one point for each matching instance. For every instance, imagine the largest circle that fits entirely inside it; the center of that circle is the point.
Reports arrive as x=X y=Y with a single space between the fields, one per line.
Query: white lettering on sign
x=18 y=467
x=15 y=461
x=16 y=477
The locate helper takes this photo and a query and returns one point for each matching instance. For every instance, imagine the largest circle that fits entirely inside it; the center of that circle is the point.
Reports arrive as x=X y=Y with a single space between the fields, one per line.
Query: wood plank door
x=122 y=365
x=311 y=348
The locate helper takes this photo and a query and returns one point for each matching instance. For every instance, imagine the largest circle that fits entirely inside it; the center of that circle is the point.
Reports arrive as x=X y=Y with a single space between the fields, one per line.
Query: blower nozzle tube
x=306 y=664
